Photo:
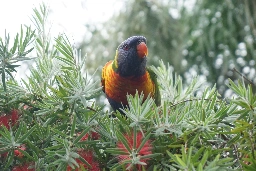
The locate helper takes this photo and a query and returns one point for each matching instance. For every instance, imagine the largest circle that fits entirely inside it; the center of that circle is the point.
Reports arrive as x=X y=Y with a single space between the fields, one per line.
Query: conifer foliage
x=50 y=121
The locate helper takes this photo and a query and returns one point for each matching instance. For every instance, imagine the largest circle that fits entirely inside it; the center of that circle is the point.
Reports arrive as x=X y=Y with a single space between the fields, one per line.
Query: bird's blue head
x=131 y=56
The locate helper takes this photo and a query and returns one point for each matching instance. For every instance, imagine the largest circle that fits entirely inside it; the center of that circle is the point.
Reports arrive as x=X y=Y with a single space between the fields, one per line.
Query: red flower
x=145 y=150
x=14 y=116
x=93 y=135
x=85 y=137
x=4 y=120
x=88 y=156
x=24 y=167
x=9 y=119
x=17 y=152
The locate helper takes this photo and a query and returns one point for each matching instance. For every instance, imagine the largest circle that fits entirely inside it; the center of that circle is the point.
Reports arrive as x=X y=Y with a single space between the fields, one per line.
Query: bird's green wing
x=157 y=95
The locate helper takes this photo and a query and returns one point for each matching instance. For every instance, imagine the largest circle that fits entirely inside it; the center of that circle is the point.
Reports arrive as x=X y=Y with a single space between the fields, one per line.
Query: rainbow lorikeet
x=128 y=73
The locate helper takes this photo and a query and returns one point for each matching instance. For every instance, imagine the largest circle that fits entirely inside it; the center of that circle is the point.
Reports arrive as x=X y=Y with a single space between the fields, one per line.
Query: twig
x=237 y=155
x=235 y=70
x=91 y=109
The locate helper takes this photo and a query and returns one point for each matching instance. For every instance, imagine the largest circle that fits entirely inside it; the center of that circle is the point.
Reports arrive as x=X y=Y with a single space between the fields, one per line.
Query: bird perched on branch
x=128 y=73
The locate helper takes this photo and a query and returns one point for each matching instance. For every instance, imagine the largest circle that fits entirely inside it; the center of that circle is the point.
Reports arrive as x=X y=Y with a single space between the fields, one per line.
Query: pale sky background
x=67 y=16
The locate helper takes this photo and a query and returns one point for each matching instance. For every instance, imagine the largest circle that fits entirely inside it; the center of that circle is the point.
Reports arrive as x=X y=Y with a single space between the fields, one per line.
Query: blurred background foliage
x=206 y=38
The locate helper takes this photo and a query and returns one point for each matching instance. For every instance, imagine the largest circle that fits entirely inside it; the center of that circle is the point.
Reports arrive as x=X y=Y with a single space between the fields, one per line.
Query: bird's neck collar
x=115 y=63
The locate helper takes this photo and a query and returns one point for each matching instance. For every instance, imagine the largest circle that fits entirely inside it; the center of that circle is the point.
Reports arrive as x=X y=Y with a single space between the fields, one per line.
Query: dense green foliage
x=58 y=119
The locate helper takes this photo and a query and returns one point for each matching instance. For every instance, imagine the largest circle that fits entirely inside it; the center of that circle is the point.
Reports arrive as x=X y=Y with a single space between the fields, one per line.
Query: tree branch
x=235 y=70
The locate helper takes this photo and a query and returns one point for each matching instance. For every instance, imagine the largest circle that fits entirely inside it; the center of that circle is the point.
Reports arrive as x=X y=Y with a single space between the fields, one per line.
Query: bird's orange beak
x=142 y=50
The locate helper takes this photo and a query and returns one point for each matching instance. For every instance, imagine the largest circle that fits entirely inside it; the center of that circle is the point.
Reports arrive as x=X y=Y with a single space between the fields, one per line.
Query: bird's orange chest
x=117 y=87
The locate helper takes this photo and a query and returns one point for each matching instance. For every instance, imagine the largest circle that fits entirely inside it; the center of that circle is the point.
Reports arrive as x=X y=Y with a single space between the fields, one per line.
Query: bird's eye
x=126 y=47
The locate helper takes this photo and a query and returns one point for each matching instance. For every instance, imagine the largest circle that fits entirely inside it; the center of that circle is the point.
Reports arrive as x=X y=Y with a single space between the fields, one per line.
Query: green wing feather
x=157 y=95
